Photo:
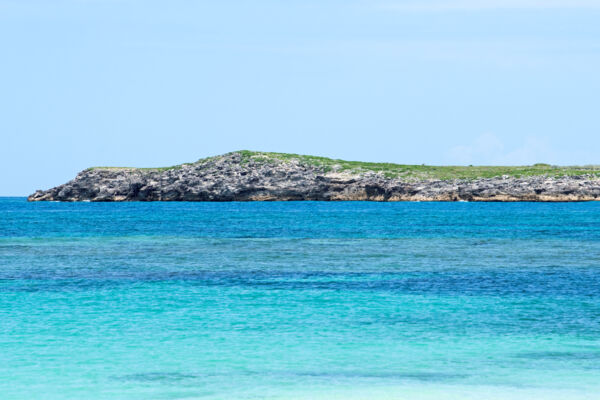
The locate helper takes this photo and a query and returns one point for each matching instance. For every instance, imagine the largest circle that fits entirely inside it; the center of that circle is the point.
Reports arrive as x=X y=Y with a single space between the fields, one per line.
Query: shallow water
x=299 y=300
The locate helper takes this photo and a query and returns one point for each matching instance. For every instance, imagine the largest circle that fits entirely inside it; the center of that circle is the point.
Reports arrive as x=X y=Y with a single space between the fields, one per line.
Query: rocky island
x=261 y=176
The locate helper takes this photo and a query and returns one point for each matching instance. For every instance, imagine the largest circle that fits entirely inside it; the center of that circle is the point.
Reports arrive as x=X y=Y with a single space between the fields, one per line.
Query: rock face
x=233 y=178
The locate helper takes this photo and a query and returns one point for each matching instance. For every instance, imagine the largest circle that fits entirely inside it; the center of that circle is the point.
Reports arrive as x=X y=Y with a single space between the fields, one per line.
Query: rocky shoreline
x=233 y=177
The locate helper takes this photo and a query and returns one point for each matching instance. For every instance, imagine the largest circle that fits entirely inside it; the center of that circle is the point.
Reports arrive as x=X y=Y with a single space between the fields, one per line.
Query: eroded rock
x=231 y=178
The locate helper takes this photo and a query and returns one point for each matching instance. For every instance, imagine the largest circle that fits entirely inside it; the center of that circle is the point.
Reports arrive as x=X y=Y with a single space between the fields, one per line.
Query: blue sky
x=155 y=83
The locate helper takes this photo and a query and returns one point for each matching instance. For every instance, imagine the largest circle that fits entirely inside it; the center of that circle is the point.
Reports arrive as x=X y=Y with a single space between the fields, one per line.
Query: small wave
x=156 y=377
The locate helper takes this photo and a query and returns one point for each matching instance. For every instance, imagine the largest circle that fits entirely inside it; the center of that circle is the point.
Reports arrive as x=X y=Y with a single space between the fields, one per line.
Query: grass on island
x=423 y=171
x=391 y=170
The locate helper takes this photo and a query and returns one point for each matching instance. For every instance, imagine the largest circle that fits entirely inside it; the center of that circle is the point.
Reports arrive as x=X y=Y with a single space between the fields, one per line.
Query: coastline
x=248 y=176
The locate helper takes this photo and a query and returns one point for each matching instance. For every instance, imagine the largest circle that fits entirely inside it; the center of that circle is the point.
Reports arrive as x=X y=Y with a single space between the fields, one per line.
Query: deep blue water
x=299 y=300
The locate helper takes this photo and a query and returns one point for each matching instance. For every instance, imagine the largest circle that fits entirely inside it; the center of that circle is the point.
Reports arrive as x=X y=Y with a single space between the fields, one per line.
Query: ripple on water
x=560 y=355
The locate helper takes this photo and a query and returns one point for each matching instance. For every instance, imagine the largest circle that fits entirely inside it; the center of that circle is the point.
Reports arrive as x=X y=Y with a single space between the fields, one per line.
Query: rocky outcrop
x=233 y=178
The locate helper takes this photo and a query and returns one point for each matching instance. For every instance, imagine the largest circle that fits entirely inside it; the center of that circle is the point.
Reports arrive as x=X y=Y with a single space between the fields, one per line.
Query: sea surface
x=299 y=300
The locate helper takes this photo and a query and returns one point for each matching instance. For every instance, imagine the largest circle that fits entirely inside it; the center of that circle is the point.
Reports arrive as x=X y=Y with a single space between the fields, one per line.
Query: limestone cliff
x=246 y=176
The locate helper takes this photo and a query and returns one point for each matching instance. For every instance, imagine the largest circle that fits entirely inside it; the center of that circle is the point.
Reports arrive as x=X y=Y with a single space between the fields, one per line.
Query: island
x=263 y=176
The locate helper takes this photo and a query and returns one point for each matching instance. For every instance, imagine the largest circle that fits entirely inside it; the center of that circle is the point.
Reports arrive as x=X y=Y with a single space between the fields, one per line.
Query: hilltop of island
x=263 y=176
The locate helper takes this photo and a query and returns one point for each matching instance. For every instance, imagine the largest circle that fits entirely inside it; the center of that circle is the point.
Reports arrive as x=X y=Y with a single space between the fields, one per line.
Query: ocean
x=299 y=300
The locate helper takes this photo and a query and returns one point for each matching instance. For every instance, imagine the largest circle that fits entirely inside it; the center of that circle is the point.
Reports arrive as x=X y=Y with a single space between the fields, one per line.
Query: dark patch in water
x=421 y=376
x=559 y=355
x=175 y=377
x=489 y=282
x=156 y=377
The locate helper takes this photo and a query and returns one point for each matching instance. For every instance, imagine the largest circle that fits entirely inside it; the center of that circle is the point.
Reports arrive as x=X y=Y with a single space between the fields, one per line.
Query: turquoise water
x=299 y=300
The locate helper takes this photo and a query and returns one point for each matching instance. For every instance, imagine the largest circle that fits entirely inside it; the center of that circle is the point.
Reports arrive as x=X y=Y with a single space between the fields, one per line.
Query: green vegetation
x=420 y=171
x=390 y=170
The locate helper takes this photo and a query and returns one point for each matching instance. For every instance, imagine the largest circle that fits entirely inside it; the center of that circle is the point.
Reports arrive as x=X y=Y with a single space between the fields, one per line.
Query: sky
x=155 y=83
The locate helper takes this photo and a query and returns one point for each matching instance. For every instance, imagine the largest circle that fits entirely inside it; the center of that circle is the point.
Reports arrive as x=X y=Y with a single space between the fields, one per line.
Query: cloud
x=474 y=5
x=488 y=149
